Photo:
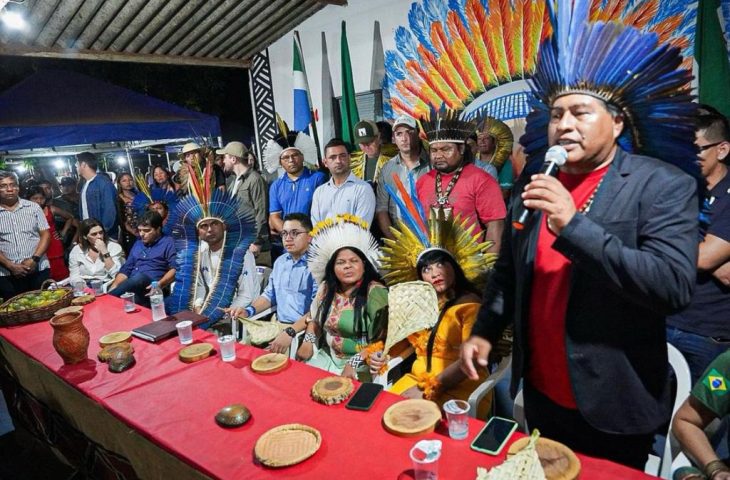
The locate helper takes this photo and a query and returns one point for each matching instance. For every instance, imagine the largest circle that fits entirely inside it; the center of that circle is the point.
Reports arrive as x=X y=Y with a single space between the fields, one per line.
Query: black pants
x=569 y=427
x=11 y=286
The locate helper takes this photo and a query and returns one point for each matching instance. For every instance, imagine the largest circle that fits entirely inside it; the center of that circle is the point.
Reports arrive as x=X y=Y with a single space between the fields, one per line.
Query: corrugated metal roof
x=185 y=32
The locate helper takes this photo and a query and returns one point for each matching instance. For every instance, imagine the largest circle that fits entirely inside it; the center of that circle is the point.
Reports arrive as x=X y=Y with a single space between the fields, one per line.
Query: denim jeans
x=137 y=284
x=698 y=350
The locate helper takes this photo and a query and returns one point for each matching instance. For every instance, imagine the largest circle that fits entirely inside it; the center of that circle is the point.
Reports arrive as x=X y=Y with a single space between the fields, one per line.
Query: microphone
x=555 y=157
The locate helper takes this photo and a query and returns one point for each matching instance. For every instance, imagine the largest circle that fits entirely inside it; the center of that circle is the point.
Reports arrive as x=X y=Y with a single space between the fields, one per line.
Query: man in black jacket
x=609 y=251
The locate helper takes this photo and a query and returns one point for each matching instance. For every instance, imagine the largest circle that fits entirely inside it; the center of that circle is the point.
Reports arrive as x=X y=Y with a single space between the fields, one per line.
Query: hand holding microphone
x=546 y=193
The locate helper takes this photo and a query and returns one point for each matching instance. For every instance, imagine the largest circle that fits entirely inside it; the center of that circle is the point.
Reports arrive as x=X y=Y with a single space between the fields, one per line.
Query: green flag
x=711 y=57
x=348 y=106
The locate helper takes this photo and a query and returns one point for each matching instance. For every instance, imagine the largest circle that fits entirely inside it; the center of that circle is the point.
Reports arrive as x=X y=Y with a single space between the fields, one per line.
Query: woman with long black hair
x=351 y=305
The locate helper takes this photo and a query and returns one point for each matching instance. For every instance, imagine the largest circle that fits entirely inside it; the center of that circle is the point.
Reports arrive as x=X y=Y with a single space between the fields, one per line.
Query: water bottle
x=157 y=303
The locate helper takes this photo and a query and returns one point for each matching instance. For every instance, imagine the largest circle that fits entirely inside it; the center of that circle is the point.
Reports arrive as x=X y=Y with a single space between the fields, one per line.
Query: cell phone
x=494 y=435
x=364 y=397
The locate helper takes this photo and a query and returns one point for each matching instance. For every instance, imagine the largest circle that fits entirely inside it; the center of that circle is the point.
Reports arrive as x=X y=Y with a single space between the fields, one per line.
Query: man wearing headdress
x=411 y=163
x=249 y=187
x=195 y=155
x=610 y=248
x=456 y=183
x=373 y=151
x=494 y=142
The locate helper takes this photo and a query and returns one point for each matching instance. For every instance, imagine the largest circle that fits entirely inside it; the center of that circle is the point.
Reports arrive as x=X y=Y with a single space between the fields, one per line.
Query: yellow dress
x=454 y=329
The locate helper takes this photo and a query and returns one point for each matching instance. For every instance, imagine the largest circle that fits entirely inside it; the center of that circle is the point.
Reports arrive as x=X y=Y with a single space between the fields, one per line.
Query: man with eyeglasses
x=291 y=287
x=24 y=239
x=344 y=192
x=294 y=190
x=702 y=331
x=212 y=233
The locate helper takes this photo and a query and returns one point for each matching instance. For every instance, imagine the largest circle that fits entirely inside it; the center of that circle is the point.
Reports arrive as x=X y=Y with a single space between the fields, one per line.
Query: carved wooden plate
x=558 y=461
x=332 y=390
x=196 y=352
x=270 y=363
x=115 y=337
x=412 y=417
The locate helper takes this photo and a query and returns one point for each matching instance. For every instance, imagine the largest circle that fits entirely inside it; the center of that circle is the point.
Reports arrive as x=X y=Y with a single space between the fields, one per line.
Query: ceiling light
x=121 y=160
x=21 y=168
x=59 y=164
x=13 y=20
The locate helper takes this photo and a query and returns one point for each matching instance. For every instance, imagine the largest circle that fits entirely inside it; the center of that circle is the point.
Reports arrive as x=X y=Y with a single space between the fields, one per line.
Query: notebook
x=165 y=328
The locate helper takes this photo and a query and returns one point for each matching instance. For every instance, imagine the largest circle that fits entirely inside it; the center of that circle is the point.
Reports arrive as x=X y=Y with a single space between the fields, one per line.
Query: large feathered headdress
x=416 y=235
x=207 y=202
x=628 y=69
x=289 y=139
x=445 y=125
x=148 y=196
x=334 y=233
x=503 y=139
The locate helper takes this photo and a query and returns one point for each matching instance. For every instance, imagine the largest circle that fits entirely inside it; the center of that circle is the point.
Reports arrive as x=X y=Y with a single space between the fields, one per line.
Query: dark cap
x=365 y=131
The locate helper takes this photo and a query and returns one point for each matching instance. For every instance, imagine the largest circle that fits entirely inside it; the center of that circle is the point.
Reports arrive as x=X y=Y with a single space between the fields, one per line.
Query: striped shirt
x=20 y=233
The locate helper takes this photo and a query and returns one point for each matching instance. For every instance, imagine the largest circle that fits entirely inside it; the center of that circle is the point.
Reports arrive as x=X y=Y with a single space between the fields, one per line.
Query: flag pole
x=313 y=122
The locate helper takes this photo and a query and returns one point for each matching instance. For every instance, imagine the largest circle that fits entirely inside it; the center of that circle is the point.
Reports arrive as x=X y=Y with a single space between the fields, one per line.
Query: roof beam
x=23 y=51
x=340 y=3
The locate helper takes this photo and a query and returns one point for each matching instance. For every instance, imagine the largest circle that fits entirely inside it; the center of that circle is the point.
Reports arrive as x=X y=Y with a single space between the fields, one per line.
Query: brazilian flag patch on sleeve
x=715 y=382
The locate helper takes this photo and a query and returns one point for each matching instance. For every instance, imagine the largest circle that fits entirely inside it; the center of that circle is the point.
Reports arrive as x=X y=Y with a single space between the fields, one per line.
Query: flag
x=328 y=96
x=712 y=57
x=348 y=108
x=302 y=110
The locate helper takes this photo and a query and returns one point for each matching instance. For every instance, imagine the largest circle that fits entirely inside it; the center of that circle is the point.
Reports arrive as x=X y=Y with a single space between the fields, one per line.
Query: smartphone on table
x=492 y=438
x=364 y=397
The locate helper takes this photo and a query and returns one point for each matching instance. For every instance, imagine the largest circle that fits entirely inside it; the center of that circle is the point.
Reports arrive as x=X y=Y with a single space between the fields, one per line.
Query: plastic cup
x=457 y=416
x=426 y=460
x=227 y=345
x=129 y=305
x=79 y=286
x=185 y=332
x=98 y=287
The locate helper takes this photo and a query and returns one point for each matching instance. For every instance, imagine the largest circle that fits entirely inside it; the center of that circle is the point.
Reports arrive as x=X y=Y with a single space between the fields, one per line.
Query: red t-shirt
x=548 y=367
x=476 y=196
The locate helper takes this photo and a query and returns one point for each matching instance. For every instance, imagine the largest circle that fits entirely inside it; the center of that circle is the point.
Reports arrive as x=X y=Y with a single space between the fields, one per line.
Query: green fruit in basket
x=58 y=293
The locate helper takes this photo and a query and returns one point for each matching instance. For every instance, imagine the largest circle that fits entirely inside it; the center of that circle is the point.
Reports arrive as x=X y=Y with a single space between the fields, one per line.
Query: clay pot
x=70 y=337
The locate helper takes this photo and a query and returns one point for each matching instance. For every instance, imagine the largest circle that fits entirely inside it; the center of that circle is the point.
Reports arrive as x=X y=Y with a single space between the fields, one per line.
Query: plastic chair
x=672 y=456
x=488 y=384
x=518 y=412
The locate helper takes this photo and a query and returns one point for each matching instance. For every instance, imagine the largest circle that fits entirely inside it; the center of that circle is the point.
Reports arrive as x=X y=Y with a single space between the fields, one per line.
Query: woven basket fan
x=261 y=331
x=412 y=307
x=287 y=445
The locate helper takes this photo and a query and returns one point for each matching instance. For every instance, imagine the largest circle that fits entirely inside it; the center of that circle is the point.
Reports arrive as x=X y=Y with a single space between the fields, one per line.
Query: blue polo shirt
x=154 y=260
x=291 y=288
x=294 y=196
x=709 y=312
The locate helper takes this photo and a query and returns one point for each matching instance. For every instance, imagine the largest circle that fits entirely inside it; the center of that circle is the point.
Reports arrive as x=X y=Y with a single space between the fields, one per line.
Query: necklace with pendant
x=441 y=197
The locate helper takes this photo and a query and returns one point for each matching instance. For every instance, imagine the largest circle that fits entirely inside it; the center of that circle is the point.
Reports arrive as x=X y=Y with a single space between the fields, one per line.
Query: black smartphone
x=364 y=397
x=494 y=435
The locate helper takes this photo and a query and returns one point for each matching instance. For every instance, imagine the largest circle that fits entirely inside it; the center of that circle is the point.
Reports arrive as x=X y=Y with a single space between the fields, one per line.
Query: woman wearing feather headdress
x=442 y=252
x=350 y=308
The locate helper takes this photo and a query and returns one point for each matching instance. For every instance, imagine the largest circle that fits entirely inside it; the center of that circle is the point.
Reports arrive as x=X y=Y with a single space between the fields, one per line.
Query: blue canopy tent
x=61 y=108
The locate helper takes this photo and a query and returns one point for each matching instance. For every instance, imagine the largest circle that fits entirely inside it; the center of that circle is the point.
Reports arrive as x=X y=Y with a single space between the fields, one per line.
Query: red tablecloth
x=174 y=404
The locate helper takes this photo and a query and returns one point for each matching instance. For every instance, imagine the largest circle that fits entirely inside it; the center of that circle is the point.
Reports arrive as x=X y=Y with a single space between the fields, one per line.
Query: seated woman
x=350 y=307
x=435 y=374
x=95 y=257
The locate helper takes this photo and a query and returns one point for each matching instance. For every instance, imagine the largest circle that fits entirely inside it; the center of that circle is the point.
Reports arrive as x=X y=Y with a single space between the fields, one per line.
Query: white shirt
x=81 y=266
x=248 y=289
x=355 y=196
x=84 y=207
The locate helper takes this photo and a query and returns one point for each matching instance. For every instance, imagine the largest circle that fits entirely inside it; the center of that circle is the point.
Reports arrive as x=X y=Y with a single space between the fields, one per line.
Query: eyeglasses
x=292 y=234
x=708 y=146
x=289 y=157
x=8 y=186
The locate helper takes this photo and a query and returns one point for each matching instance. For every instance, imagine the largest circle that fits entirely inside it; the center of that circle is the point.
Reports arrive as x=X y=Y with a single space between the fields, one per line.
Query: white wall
x=360 y=16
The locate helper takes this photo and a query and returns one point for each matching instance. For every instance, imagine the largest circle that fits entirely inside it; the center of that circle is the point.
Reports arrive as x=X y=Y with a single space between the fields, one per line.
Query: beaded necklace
x=443 y=198
x=587 y=205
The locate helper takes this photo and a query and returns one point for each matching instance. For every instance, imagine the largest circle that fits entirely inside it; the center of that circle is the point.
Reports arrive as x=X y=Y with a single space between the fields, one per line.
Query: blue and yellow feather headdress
x=147 y=196
x=207 y=202
x=624 y=67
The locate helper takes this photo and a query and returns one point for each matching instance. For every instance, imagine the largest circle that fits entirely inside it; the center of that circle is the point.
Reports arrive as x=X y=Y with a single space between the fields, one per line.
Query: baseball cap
x=365 y=131
x=404 y=120
x=237 y=149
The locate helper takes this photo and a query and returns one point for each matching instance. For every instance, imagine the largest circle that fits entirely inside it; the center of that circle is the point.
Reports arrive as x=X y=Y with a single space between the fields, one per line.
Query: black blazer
x=634 y=258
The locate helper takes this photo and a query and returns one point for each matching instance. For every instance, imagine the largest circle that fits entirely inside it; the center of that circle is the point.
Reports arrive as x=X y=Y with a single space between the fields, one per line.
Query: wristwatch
x=105 y=256
x=36 y=258
x=291 y=332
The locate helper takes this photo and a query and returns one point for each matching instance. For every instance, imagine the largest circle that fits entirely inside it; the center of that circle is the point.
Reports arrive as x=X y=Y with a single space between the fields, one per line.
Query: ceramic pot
x=70 y=337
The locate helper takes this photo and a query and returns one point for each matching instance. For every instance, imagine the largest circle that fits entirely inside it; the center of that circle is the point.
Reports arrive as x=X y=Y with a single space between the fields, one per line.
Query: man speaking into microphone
x=610 y=247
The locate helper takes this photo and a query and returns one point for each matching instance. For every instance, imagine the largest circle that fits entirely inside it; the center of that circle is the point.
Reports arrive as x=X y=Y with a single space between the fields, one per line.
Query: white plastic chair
x=672 y=456
x=488 y=384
